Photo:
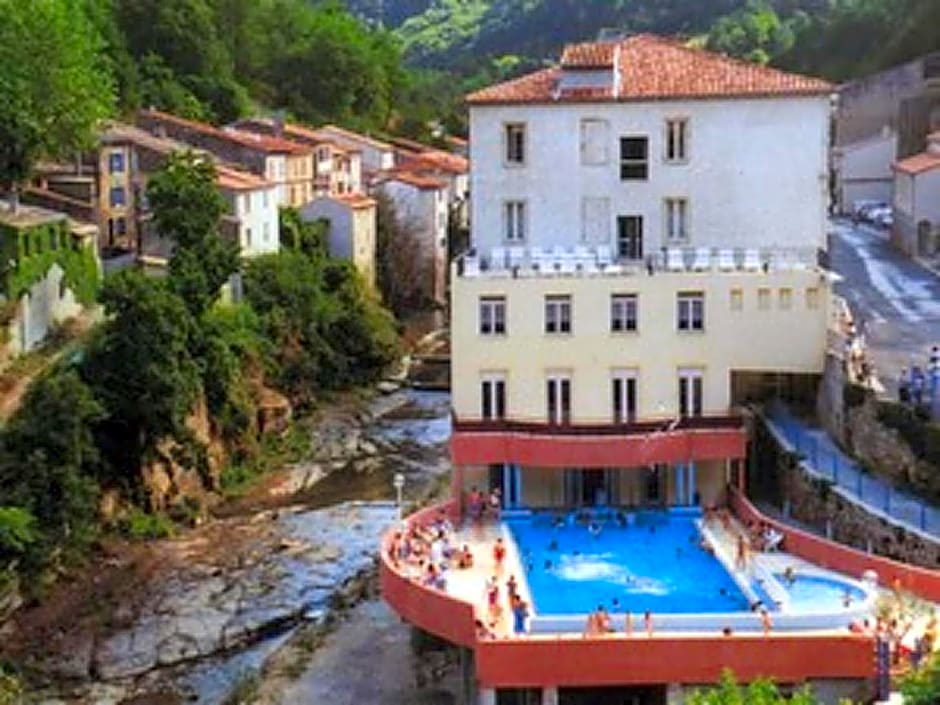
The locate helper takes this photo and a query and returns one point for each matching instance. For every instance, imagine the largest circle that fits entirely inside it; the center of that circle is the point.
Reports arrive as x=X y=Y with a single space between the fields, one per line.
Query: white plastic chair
x=568 y=263
x=498 y=258
x=516 y=256
x=726 y=260
x=674 y=260
x=703 y=259
x=583 y=256
x=752 y=260
x=540 y=258
x=604 y=255
x=471 y=267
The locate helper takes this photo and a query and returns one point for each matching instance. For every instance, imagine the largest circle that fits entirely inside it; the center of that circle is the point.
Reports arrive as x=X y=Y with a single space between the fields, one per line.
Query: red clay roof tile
x=655 y=68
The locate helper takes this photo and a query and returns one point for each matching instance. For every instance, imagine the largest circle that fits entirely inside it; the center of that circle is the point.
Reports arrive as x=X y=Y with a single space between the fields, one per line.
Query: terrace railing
x=709 y=422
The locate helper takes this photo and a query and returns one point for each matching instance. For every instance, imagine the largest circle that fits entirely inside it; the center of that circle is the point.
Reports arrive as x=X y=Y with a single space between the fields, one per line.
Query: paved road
x=896 y=299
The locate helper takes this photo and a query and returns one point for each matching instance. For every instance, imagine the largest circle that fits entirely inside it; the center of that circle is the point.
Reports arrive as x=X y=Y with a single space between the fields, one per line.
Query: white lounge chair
x=703 y=259
x=498 y=258
x=568 y=263
x=583 y=256
x=516 y=256
x=752 y=260
x=726 y=260
x=541 y=259
x=471 y=267
x=604 y=256
x=674 y=260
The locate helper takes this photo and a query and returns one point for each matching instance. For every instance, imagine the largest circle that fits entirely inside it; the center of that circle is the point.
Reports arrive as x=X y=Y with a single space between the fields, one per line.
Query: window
x=247 y=237
x=514 y=216
x=595 y=220
x=247 y=203
x=594 y=141
x=623 y=392
x=557 y=314
x=116 y=162
x=558 y=399
x=265 y=232
x=622 y=313
x=515 y=143
x=264 y=199
x=690 y=392
x=786 y=299
x=121 y=226
x=812 y=298
x=630 y=236
x=763 y=299
x=634 y=158
x=677 y=218
x=737 y=300
x=493 y=397
x=691 y=311
x=677 y=140
x=492 y=315
x=118 y=196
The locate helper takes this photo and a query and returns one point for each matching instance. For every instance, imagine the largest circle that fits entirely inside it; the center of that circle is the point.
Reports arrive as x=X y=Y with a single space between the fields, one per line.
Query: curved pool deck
x=682 y=648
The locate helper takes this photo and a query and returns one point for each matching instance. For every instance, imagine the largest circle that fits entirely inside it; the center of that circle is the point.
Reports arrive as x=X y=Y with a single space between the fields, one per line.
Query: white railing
x=601 y=260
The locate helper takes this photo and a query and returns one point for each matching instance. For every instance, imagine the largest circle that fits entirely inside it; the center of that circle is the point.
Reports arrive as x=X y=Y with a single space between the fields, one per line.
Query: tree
x=754 y=32
x=403 y=275
x=48 y=462
x=141 y=369
x=301 y=236
x=187 y=208
x=759 y=692
x=54 y=84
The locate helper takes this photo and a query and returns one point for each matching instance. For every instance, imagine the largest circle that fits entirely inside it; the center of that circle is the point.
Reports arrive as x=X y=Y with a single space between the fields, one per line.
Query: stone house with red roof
x=916 y=228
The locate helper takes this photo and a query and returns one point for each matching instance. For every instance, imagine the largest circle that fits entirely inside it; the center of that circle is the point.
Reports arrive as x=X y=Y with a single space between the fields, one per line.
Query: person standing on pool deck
x=520 y=610
x=492 y=601
x=648 y=623
x=499 y=555
x=629 y=623
x=765 y=621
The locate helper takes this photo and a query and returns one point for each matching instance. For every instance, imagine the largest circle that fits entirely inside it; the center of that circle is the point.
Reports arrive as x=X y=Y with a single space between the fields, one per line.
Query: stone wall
x=816 y=503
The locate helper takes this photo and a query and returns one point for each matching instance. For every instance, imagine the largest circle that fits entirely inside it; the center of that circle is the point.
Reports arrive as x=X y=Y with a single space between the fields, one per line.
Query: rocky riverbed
x=186 y=619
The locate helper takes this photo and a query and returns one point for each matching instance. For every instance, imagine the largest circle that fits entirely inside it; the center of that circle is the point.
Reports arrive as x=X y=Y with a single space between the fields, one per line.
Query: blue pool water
x=813 y=593
x=656 y=564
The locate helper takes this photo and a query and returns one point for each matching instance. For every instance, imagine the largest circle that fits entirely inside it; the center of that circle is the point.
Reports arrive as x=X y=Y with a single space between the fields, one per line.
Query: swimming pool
x=653 y=564
x=815 y=593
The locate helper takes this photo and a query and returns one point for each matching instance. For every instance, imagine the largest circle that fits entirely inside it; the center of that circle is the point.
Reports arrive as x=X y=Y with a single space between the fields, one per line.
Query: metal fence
x=824 y=459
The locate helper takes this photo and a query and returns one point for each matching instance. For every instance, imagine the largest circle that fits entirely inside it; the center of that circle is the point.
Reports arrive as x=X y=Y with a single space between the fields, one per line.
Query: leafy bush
x=759 y=692
x=140 y=525
x=922 y=686
x=17 y=532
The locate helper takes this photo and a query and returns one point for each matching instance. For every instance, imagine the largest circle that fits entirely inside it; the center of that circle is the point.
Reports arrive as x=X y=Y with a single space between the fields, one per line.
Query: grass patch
x=293 y=446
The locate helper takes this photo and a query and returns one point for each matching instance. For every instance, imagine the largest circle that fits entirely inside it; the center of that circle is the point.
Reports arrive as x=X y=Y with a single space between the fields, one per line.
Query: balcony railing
x=601 y=260
x=711 y=422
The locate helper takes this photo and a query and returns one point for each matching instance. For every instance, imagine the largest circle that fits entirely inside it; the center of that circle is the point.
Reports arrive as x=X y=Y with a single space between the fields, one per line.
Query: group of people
x=916 y=385
x=518 y=608
x=482 y=506
x=764 y=537
x=599 y=622
x=429 y=552
x=896 y=635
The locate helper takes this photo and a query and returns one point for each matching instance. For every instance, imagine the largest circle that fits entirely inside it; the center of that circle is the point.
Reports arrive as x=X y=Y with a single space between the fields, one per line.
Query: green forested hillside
x=834 y=38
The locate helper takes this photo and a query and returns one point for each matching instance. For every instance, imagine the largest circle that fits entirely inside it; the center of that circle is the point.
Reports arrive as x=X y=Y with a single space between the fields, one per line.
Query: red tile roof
x=655 y=68
x=326 y=131
x=589 y=55
x=355 y=201
x=265 y=143
x=238 y=180
x=918 y=164
x=421 y=181
x=436 y=160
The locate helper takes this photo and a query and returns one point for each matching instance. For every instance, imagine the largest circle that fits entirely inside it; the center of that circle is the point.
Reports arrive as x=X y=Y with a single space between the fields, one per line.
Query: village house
x=421 y=205
x=287 y=164
x=376 y=155
x=862 y=170
x=351 y=223
x=916 y=228
x=423 y=160
x=337 y=169
x=51 y=273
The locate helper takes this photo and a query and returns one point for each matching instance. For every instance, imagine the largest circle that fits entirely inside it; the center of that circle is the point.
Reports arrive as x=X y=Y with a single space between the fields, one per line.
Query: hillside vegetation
x=483 y=39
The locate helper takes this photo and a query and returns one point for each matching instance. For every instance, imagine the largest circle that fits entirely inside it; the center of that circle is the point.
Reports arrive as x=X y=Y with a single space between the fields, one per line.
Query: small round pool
x=815 y=593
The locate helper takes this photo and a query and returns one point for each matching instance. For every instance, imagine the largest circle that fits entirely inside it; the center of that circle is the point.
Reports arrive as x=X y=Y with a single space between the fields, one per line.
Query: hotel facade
x=648 y=232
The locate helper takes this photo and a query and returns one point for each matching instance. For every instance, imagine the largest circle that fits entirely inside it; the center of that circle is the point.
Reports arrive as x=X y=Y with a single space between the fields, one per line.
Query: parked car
x=869 y=211
x=882 y=217
x=859 y=207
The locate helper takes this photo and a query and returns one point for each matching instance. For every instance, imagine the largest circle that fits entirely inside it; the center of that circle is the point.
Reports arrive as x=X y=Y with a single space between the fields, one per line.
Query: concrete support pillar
x=691 y=467
x=487 y=696
x=674 y=694
x=456 y=490
x=549 y=696
x=680 y=484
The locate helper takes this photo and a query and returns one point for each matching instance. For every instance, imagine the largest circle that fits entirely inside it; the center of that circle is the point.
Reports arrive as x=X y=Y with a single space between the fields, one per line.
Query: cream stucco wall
x=256 y=210
x=756 y=174
x=776 y=339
